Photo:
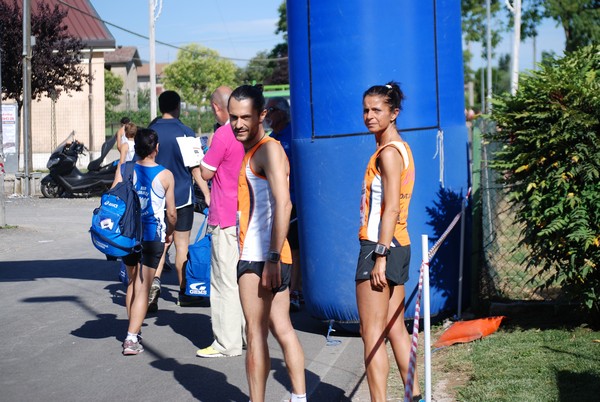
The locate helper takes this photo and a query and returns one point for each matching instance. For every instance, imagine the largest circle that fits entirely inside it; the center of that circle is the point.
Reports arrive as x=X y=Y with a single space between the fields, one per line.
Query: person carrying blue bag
x=154 y=185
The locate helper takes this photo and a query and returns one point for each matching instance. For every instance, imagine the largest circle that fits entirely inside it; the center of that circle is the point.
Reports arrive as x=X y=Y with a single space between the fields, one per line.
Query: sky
x=550 y=38
x=238 y=29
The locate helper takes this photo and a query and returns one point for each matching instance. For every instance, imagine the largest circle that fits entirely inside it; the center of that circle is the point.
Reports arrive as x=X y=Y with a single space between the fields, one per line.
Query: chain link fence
x=504 y=275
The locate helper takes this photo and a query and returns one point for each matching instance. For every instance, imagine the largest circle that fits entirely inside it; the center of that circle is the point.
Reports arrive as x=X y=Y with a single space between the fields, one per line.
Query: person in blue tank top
x=155 y=186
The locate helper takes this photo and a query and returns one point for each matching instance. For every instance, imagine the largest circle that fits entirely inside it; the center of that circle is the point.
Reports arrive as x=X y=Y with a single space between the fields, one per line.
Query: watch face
x=380 y=249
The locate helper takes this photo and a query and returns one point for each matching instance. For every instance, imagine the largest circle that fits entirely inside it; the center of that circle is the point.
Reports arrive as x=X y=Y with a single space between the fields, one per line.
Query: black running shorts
x=396 y=270
x=150 y=255
x=257 y=267
x=185 y=218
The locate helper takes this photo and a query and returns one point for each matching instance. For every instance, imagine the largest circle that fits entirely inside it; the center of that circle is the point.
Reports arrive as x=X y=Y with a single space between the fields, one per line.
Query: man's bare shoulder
x=270 y=150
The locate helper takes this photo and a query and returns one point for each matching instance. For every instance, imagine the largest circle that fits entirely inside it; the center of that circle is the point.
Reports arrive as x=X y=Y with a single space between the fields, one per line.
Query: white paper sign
x=9 y=128
x=191 y=150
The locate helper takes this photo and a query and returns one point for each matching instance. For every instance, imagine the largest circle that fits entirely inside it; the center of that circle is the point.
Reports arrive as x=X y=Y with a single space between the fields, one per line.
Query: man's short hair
x=168 y=101
x=252 y=92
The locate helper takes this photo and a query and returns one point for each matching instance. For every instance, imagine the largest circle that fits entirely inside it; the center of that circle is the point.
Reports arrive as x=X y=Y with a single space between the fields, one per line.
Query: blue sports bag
x=197 y=266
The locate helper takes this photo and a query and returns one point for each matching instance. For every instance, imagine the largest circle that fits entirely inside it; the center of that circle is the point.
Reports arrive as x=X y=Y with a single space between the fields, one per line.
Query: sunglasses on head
x=272 y=109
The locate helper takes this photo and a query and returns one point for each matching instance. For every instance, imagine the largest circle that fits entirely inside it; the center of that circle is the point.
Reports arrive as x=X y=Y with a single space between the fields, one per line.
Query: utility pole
x=90 y=106
x=153 y=14
x=515 y=9
x=2 y=195
x=488 y=108
x=534 y=39
x=27 y=92
x=470 y=84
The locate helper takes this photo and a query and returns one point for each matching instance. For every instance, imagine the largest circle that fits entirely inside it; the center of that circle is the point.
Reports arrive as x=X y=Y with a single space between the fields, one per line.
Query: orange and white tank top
x=371 y=206
x=255 y=212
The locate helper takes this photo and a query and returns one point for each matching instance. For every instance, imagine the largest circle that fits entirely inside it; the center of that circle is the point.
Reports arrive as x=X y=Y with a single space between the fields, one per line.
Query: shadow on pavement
x=203 y=383
x=86 y=269
x=194 y=326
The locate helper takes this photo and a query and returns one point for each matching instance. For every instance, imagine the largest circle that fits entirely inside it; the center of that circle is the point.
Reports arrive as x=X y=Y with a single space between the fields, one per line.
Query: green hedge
x=550 y=161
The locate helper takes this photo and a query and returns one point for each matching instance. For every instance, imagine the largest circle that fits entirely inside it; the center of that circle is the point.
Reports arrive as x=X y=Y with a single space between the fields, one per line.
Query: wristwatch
x=273 y=256
x=381 y=250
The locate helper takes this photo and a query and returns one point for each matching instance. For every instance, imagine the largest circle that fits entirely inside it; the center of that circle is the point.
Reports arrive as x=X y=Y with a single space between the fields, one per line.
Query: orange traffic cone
x=467 y=331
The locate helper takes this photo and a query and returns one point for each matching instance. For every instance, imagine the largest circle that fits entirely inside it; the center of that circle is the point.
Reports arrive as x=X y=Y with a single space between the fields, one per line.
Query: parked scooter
x=66 y=180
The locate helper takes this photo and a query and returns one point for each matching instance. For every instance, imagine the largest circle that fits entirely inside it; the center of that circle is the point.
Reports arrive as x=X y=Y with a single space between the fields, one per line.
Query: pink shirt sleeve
x=216 y=153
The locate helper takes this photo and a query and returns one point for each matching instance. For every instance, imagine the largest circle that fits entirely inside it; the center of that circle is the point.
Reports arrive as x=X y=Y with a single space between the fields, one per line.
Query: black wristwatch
x=381 y=250
x=273 y=256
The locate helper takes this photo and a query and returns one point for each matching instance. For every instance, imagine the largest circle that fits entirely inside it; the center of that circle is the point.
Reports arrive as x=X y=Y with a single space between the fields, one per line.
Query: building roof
x=82 y=22
x=144 y=70
x=123 y=55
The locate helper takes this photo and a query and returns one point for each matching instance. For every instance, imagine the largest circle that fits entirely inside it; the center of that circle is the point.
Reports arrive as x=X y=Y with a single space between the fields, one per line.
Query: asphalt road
x=63 y=320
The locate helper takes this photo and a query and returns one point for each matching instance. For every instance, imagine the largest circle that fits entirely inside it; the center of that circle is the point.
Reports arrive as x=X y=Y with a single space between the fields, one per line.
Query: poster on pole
x=10 y=136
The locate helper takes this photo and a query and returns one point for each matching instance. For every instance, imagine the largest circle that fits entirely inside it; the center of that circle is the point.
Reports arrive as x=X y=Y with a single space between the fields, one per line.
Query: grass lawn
x=528 y=359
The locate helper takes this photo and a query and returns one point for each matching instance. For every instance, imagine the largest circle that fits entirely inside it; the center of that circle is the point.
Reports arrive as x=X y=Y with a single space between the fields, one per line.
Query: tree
x=196 y=73
x=550 y=164
x=144 y=99
x=474 y=21
x=55 y=57
x=474 y=28
x=280 y=73
x=580 y=20
x=532 y=13
x=113 y=88
x=500 y=78
x=259 y=69
x=270 y=67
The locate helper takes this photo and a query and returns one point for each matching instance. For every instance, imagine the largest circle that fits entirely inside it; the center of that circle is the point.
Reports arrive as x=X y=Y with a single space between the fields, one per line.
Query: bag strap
x=128 y=171
x=201 y=229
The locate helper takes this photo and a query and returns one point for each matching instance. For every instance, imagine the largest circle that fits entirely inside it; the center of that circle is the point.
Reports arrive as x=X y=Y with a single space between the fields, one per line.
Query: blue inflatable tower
x=338 y=49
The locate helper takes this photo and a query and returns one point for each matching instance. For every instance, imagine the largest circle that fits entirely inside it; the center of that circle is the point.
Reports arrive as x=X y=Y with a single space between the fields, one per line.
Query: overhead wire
x=226 y=28
x=161 y=42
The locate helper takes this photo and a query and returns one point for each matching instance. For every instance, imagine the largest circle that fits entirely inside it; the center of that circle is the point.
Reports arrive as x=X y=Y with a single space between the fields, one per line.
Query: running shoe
x=132 y=348
x=211 y=352
x=153 y=296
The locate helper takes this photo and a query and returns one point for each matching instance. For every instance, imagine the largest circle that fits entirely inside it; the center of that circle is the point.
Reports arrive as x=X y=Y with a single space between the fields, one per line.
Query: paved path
x=63 y=320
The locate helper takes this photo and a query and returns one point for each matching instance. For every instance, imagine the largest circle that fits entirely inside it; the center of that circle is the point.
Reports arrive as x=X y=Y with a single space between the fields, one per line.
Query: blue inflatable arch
x=338 y=49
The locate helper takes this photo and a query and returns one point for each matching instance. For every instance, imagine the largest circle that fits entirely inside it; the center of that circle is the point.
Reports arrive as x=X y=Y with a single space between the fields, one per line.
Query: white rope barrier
x=423 y=289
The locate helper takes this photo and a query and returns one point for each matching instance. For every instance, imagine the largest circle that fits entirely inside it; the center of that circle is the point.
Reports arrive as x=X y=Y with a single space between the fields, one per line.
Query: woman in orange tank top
x=384 y=257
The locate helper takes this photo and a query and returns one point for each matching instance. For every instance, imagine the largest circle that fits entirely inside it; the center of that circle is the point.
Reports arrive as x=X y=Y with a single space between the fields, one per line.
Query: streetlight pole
x=153 y=16
x=2 y=196
x=90 y=105
x=515 y=9
x=27 y=91
x=152 y=62
x=488 y=108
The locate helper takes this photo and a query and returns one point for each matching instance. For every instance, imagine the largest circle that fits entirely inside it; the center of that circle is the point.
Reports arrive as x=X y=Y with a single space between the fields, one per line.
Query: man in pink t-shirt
x=222 y=164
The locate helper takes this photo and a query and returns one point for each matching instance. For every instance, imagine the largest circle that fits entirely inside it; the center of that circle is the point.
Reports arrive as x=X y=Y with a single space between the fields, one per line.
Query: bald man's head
x=218 y=101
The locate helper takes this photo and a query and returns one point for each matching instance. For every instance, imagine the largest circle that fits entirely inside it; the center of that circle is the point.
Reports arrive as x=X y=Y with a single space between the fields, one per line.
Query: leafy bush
x=550 y=162
x=113 y=85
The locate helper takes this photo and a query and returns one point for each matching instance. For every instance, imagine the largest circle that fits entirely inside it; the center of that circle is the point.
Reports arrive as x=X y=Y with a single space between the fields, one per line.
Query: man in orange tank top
x=264 y=209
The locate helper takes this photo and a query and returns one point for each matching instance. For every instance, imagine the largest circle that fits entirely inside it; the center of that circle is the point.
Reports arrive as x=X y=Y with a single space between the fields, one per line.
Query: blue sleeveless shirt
x=152 y=199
